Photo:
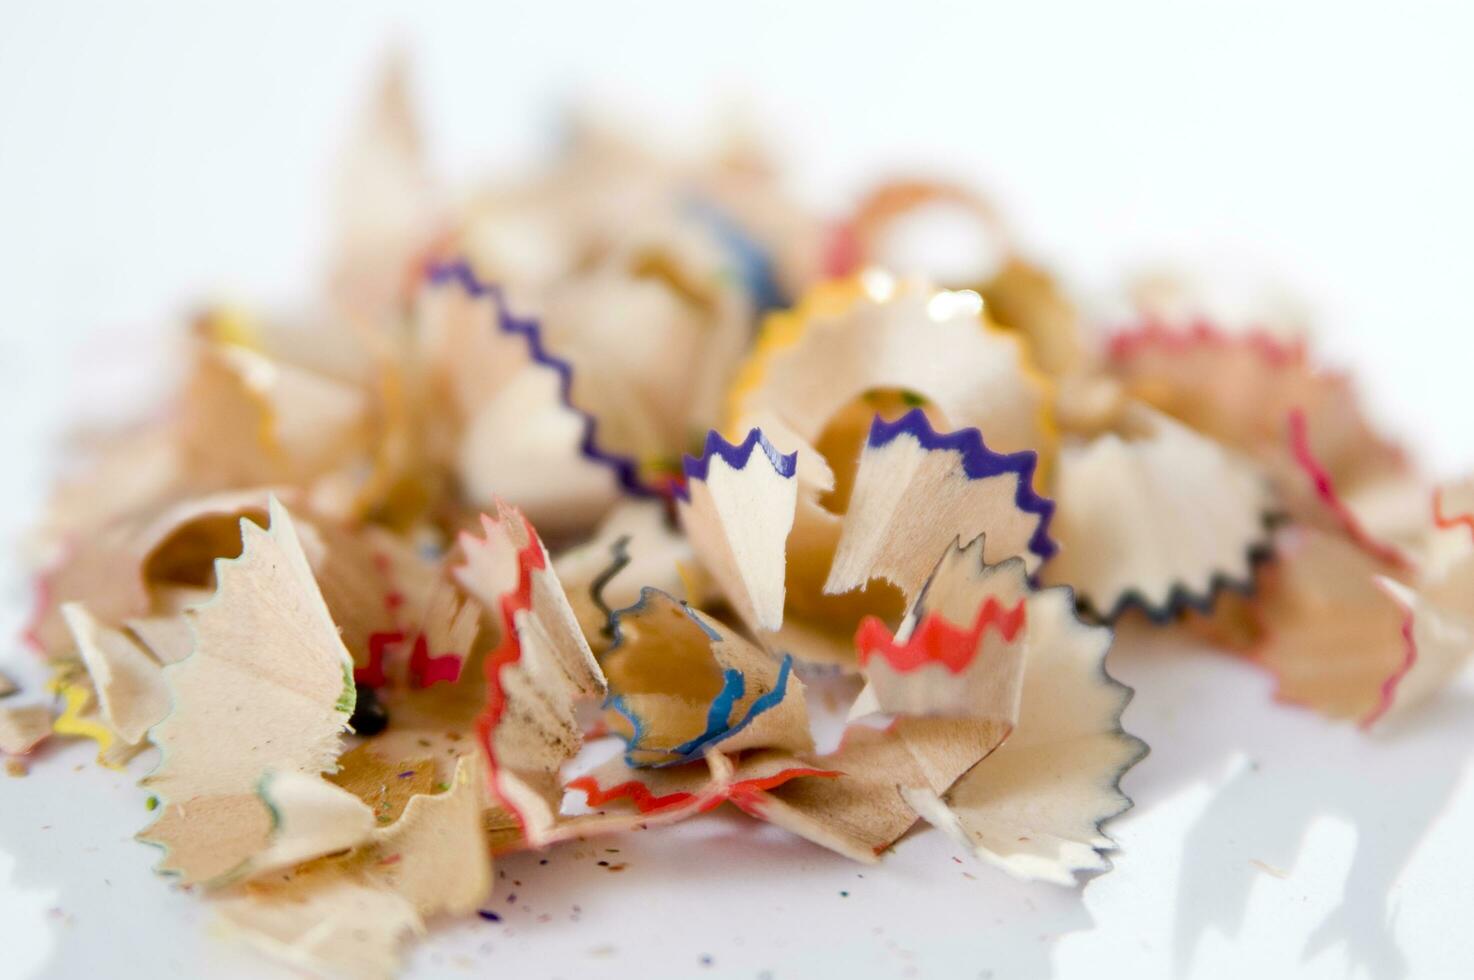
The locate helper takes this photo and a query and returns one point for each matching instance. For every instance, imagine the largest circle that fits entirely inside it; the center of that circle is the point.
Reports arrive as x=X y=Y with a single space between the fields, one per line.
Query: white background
x=154 y=155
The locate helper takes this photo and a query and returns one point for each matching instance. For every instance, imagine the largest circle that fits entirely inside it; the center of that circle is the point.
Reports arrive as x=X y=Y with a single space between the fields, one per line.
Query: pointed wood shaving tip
x=537 y=675
x=129 y=682
x=738 y=508
x=268 y=688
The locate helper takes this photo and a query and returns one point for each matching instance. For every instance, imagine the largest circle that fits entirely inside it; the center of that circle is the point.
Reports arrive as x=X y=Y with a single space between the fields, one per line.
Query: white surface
x=157 y=154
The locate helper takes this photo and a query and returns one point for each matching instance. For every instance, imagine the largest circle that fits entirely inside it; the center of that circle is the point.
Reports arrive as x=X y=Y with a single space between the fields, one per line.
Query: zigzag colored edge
x=737 y=457
x=1449 y=521
x=740 y=793
x=1387 y=694
x=1202 y=333
x=978 y=462
x=1325 y=490
x=1139 y=747
x=1180 y=598
x=459 y=272
x=936 y=640
x=530 y=559
x=1139 y=750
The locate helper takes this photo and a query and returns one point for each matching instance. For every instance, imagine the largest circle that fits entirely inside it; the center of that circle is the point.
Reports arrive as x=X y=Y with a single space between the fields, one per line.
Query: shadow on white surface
x=1390 y=790
x=1291 y=775
x=1212 y=881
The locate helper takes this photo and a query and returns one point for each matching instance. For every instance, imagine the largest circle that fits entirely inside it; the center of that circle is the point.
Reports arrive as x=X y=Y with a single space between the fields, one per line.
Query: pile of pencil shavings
x=319 y=585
